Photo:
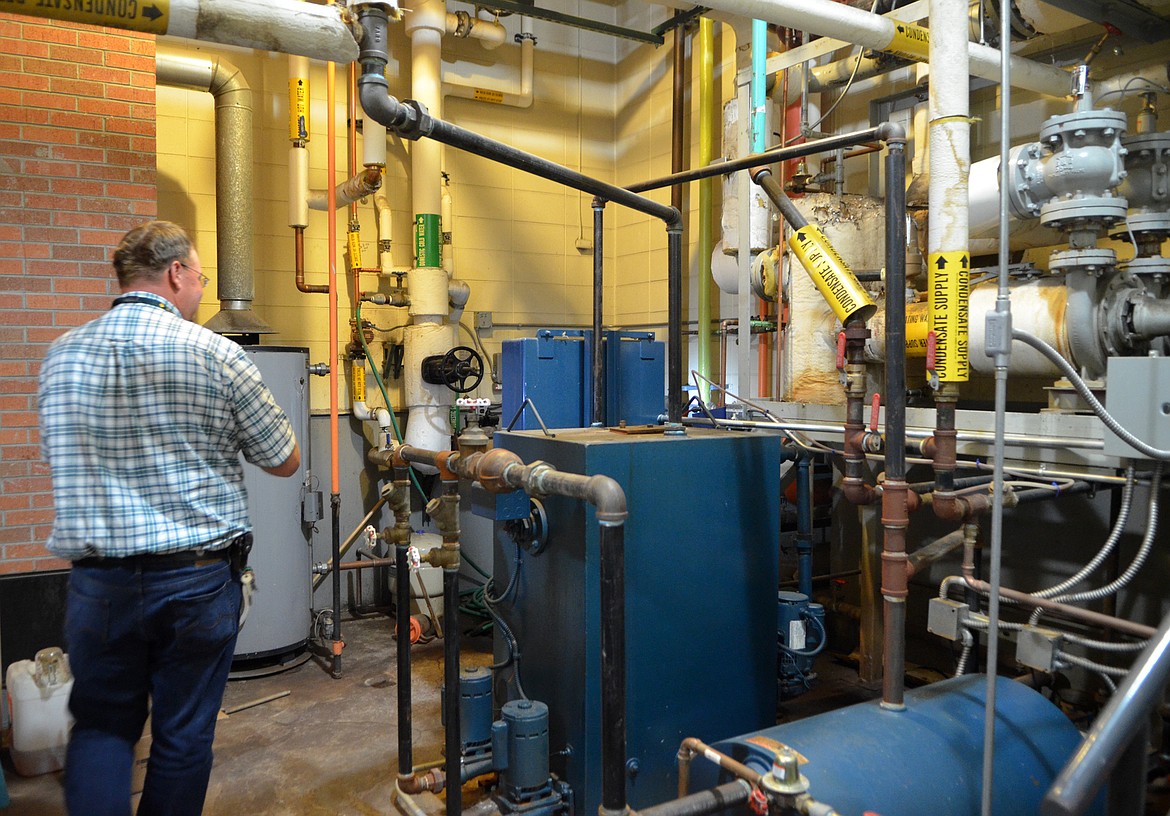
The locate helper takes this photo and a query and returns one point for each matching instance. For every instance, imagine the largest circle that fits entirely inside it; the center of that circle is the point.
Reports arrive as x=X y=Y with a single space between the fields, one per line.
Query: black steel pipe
x=763 y=177
x=674 y=368
x=613 y=668
x=451 y=683
x=725 y=797
x=402 y=646
x=598 y=367
x=780 y=154
x=335 y=505
x=895 y=311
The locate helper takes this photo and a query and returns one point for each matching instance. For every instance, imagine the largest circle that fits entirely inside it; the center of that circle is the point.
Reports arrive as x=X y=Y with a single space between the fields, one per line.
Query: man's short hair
x=147 y=250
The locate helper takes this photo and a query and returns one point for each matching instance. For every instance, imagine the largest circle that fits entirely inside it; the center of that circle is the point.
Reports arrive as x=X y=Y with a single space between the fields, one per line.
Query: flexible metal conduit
x=411 y=120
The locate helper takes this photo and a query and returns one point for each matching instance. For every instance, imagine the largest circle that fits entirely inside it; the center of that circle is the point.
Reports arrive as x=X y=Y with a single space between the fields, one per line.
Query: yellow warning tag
x=151 y=17
x=358 y=383
x=910 y=41
x=950 y=290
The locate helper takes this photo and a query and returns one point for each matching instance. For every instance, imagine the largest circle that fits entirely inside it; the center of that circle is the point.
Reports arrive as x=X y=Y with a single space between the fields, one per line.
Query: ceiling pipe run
x=830 y=19
x=235 y=281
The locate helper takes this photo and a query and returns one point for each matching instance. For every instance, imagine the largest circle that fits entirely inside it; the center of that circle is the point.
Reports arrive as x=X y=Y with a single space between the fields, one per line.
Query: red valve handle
x=841 y=351
x=931 y=350
x=875 y=412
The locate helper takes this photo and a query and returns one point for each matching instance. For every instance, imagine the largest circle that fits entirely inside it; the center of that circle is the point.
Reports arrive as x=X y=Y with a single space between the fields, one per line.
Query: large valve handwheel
x=460 y=369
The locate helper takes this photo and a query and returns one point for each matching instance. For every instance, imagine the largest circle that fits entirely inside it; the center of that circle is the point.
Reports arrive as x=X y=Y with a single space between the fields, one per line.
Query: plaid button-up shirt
x=143 y=417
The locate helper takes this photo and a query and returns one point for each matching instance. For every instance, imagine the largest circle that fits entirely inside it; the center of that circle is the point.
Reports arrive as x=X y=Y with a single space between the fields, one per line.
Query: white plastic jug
x=38 y=703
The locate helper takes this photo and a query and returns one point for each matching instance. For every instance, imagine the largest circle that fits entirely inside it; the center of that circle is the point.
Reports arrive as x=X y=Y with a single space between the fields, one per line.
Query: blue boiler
x=924 y=761
x=701 y=564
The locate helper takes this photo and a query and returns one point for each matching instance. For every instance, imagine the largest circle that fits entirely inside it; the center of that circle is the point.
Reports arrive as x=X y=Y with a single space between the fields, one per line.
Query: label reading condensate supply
x=358 y=384
x=950 y=291
x=910 y=41
x=298 y=105
x=150 y=16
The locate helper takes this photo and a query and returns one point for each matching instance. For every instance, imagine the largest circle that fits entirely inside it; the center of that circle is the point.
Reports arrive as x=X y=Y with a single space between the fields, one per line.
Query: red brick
x=100 y=39
x=44 y=62
x=14 y=436
x=49 y=202
x=15 y=503
x=109 y=78
x=68 y=54
x=77 y=154
x=8 y=369
x=131 y=62
x=29 y=49
x=23 y=115
x=10 y=27
x=75 y=121
x=50 y=234
x=51 y=34
x=50 y=564
x=27 y=550
x=103 y=107
x=29 y=484
x=125 y=93
x=12 y=470
x=78 y=187
x=10 y=567
x=47 y=168
x=25 y=182
x=41 y=99
x=69 y=320
x=24 y=216
x=86 y=286
x=109 y=172
x=79 y=88
x=132 y=126
x=51 y=135
x=78 y=219
x=108 y=205
x=108 y=141
x=16 y=452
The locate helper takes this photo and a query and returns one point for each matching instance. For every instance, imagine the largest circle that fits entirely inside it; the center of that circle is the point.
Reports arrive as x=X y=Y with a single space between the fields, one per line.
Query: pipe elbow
x=891 y=132
x=858 y=492
x=608 y=497
x=491 y=470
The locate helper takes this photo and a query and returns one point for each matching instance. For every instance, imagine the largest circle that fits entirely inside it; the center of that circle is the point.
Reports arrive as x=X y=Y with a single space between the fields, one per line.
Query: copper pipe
x=691 y=746
x=1076 y=613
x=367 y=564
x=299 y=244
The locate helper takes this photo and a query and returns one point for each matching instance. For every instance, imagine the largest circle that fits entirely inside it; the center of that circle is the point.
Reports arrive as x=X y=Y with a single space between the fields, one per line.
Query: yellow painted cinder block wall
x=601 y=106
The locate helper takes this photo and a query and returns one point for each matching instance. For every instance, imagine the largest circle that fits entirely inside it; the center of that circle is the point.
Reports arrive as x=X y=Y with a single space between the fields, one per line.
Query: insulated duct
x=235 y=283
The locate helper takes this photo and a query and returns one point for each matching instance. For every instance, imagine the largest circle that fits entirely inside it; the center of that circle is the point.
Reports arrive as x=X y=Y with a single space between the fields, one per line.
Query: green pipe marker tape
x=428 y=240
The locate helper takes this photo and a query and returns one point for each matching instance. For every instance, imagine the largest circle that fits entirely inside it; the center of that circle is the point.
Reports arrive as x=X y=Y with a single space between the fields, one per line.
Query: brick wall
x=77 y=169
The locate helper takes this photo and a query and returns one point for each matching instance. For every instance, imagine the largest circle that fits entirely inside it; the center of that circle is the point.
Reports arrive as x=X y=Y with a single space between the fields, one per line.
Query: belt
x=165 y=561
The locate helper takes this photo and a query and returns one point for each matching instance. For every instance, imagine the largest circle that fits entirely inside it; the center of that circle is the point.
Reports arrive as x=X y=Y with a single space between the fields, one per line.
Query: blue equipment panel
x=701 y=557
x=634 y=385
x=554 y=370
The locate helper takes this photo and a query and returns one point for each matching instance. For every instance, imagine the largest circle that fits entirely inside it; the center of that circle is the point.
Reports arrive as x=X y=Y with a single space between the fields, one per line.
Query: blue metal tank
x=924 y=761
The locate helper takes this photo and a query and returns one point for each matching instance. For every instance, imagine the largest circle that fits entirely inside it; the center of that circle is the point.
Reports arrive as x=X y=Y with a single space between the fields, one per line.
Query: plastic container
x=38 y=704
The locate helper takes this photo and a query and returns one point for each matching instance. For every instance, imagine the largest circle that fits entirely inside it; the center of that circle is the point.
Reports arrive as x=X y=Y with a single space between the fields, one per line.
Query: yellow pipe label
x=298 y=109
x=488 y=95
x=358 y=381
x=917 y=326
x=150 y=16
x=950 y=290
x=832 y=276
x=910 y=41
x=355 y=249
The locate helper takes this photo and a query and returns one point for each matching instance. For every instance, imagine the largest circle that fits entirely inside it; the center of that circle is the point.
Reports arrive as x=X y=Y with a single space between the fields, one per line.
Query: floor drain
x=381 y=681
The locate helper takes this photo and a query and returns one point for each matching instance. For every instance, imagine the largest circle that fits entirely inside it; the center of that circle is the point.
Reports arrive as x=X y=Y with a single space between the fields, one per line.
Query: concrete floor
x=329 y=747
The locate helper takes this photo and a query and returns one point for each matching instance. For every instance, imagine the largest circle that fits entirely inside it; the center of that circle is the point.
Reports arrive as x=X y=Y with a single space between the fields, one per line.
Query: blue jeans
x=140 y=637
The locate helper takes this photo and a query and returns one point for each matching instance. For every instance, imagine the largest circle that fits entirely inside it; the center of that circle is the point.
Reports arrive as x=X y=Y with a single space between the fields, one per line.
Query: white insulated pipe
x=829 y=19
x=483 y=27
x=950 y=127
x=427 y=425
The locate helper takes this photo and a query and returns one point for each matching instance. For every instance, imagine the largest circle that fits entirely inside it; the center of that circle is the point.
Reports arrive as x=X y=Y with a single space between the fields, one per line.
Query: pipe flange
x=1095 y=261
x=1147 y=267
x=1080 y=127
x=1088 y=212
x=1116 y=316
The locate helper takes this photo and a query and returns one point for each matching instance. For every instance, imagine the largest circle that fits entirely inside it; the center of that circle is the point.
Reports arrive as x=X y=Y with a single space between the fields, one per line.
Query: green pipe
x=706 y=205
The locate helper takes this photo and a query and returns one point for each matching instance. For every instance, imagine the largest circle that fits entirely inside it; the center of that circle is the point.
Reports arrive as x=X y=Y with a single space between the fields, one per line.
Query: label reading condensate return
x=149 y=16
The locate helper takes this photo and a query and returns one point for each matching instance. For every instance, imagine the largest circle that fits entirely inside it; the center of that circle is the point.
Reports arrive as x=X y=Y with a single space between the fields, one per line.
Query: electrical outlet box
x=1138 y=396
x=945 y=618
x=1037 y=648
x=483 y=320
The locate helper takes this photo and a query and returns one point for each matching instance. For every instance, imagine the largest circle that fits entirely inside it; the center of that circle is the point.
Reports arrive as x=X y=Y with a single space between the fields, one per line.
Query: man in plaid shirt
x=143 y=416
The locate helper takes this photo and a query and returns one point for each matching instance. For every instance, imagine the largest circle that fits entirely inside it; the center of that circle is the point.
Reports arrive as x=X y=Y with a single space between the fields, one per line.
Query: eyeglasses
x=203 y=279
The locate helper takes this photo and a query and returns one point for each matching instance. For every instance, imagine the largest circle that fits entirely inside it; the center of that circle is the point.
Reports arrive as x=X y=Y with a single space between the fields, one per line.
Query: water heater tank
x=278 y=623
